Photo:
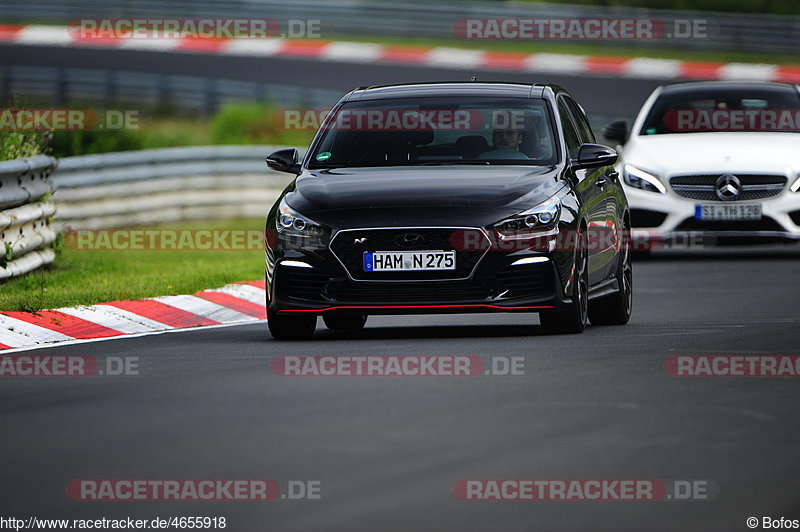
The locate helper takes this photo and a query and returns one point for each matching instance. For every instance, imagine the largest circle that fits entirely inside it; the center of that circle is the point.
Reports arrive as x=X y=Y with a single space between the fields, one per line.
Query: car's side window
x=581 y=121
x=571 y=137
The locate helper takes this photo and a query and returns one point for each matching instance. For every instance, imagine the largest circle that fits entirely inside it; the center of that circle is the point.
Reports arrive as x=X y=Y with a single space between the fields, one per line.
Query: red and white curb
x=232 y=304
x=627 y=67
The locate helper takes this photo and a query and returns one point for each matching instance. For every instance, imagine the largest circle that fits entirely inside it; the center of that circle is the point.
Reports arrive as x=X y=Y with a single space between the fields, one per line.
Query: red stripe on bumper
x=351 y=307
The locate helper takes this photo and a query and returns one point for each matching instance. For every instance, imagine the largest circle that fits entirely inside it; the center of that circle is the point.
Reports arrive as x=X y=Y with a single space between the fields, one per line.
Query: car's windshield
x=437 y=131
x=725 y=109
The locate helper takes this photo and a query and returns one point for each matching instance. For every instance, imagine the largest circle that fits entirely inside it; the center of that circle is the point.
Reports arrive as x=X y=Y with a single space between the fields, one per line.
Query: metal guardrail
x=26 y=234
x=111 y=88
x=420 y=18
x=165 y=185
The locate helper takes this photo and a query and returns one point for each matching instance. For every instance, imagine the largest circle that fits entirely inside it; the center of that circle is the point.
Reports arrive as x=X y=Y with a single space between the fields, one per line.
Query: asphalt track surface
x=389 y=450
x=606 y=97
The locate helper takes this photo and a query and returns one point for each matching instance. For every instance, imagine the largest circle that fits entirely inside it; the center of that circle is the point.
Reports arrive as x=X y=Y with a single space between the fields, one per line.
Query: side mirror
x=284 y=161
x=616 y=131
x=593 y=156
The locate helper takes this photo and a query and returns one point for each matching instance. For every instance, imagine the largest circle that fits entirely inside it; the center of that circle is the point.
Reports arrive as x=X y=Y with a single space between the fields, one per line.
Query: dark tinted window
x=582 y=122
x=719 y=109
x=571 y=136
x=437 y=130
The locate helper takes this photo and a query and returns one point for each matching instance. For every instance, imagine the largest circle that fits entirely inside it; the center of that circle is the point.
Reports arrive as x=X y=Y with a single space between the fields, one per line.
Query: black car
x=449 y=198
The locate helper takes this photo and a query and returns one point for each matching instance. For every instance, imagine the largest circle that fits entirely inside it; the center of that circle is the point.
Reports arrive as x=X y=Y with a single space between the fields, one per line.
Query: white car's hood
x=712 y=153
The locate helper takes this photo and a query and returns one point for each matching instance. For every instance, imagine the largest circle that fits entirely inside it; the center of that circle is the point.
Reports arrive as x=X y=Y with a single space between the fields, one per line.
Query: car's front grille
x=382 y=292
x=527 y=280
x=350 y=245
x=703 y=187
x=795 y=216
x=303 y=283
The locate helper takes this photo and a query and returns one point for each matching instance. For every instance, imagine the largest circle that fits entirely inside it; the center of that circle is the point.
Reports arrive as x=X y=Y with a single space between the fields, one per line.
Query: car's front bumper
x=668 y=220
x=316 y=282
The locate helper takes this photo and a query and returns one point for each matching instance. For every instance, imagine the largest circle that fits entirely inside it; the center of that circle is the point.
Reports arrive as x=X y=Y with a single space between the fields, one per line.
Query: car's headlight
x=796 y=184
x=531 y=223
x=291 y=223
x=638 y=178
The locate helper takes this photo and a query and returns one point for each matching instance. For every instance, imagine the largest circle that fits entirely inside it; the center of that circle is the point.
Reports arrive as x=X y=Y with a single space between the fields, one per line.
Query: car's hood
x=712 y=153
x=466 y=195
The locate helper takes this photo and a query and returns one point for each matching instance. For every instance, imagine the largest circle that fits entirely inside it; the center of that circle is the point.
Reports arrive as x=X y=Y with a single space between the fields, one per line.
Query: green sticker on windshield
x=324 y=156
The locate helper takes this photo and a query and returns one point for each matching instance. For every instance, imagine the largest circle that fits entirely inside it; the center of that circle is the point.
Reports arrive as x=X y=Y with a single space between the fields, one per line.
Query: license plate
x=728 y=212
x=393 y=261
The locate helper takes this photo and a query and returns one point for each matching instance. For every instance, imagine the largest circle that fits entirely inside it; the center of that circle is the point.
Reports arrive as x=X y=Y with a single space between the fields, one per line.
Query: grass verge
x=81 y=277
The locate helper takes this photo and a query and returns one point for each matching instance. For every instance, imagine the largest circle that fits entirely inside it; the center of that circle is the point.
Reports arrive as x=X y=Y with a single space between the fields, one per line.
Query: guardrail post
x=5 y=86
x=60 y=93
x=163 y=95
x=110 y=90
x=210 y=97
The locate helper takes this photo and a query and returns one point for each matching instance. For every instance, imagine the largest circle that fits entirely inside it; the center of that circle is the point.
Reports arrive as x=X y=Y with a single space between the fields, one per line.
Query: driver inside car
x=508 y=135
x=507 y=139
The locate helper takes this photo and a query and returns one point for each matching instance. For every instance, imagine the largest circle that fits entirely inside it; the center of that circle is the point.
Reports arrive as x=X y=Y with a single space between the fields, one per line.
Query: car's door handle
x=613 y=175
x=600 y=182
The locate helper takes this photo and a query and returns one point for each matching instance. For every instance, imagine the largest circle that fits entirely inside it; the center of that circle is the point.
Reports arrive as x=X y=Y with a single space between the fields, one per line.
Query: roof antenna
x=473 y=78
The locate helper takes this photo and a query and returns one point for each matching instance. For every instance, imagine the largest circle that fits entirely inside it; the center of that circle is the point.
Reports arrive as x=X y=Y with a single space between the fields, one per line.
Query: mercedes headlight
x=531 y=223
x=638 y=178
x=290 y=223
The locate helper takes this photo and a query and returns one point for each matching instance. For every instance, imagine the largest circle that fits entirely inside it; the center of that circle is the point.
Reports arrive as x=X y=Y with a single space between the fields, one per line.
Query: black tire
x=345 y=323
x=300 y=327
x=616 y=308
x=572 y=319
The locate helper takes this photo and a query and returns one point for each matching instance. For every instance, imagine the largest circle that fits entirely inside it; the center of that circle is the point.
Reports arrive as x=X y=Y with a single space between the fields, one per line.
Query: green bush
x=233 y=124
x=19 y=144
x=253 y=123
x=68 y=143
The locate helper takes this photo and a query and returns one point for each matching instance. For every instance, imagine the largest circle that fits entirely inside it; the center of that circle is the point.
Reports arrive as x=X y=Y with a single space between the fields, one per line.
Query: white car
x=717 y=162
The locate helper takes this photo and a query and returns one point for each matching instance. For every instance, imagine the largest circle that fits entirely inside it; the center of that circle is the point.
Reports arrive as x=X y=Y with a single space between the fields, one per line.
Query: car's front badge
x=324 y=156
